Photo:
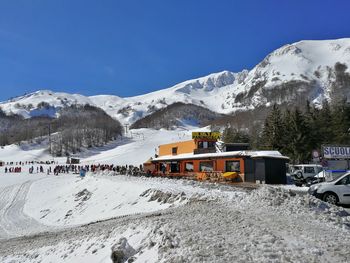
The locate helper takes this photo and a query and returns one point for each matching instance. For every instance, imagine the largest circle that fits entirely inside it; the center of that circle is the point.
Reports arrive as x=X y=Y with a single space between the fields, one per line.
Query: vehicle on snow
x=305 y=173
x=336 y=191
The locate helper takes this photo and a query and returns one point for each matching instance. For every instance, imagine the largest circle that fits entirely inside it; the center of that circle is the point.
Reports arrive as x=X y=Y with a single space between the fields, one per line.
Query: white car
x=334 y=192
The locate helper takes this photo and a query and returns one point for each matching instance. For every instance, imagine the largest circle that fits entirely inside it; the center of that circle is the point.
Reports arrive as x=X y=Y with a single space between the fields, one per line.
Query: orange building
x=202 y=158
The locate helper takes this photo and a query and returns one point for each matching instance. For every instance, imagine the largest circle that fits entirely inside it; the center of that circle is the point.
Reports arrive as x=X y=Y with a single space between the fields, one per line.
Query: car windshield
x=295 y=168
x=339 y=178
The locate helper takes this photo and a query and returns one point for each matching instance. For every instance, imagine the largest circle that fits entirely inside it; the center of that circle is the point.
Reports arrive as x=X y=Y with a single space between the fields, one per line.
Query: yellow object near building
x=230 y=175
x=206 y=135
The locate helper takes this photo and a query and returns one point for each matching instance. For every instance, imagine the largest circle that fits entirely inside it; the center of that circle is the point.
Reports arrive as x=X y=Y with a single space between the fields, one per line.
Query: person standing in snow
x=82 y=172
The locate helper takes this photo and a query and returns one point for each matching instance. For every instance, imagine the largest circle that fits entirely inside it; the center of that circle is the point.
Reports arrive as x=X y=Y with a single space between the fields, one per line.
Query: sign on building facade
x=336 y=152
x=206 y=135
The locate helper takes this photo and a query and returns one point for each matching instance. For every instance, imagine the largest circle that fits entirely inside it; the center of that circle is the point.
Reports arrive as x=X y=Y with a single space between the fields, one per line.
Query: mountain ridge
x=313 y=70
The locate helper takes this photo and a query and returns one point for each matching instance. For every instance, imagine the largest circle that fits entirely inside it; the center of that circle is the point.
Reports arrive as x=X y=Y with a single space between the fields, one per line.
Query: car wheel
x=299 y=175
x=330 y=198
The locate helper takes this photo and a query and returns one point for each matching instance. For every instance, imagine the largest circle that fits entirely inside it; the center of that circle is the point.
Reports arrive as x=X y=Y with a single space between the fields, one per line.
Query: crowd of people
x=13 y=169
x=48 y=168
x=28 y=162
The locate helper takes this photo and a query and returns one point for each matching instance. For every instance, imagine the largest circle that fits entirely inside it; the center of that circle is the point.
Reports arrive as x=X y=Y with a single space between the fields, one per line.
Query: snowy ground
x=46 y=218
x=164 y=220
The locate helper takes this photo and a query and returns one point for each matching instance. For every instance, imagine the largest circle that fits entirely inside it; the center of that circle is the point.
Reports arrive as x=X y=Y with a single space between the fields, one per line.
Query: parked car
x=305 y=173
x=334 y=192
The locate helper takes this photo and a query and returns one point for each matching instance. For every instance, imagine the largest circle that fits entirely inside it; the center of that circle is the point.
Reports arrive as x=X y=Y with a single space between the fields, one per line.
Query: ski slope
x=138 y=147
x=135 y=149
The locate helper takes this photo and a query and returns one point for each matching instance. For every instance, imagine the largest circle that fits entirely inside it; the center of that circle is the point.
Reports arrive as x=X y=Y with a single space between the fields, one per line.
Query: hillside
x=177 y=115
x=76 y=127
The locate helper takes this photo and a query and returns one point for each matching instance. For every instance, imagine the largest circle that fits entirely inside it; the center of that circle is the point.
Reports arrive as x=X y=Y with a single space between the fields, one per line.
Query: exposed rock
x=122 y=251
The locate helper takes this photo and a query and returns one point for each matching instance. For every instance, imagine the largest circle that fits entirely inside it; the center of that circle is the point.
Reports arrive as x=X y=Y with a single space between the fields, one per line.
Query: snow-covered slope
x=305 y=68
x=199 y=91
x=202 y=91
x=313 y=70
x=138 y=147
x=43 y=102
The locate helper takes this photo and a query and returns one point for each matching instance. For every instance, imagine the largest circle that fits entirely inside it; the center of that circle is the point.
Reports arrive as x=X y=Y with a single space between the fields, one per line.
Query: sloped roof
x=252 y=154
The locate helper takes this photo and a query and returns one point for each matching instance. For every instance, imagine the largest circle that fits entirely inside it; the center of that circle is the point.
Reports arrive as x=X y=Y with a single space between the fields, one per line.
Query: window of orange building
x=174 y=167
x=233 y=166
x=206 y=166
x=189 y=167
x=174 y=150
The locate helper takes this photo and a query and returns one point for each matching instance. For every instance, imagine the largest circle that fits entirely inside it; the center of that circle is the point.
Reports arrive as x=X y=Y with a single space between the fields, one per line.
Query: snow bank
x=219 y=224
x=70 y=200
x=289 y=203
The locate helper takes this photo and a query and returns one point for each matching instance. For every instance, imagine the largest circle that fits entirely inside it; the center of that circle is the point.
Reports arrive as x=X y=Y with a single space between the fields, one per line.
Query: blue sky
x=133 y=47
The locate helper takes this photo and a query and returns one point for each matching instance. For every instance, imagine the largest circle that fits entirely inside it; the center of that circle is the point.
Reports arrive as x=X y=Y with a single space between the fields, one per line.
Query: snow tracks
x=13 y=221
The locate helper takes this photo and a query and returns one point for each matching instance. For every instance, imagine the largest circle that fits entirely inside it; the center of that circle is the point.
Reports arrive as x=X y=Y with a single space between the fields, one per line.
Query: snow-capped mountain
x=43 y=102
x=202 y=91
x=199 y=91
x=313 y=70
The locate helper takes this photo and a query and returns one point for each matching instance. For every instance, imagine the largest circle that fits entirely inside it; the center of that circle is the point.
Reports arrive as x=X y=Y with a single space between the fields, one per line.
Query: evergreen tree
x=231 y=135
x=228 y=135
x=341 y=123
x=300 y=146
x=288 y=133
x=273 y=131
x=324 y=124
x=314 y=131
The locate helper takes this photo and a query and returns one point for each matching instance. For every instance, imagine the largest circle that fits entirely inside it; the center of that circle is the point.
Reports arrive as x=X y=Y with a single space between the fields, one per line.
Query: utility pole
x=126 y=129
x=50 y=138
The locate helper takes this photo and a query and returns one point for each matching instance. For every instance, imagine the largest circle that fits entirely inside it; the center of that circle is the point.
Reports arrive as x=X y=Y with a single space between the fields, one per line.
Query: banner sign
x=206 y=135
x=336 y=152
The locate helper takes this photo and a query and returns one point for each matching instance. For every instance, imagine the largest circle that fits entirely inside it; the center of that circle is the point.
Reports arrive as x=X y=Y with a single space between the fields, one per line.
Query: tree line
x=297 y=132
x=76 y=126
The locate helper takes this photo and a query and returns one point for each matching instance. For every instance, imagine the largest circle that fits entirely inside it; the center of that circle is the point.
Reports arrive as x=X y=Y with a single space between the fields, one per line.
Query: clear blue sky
x=132 y=47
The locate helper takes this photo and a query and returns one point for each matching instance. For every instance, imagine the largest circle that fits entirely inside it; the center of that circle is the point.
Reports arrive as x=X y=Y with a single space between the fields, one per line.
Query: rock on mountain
x=307 y=70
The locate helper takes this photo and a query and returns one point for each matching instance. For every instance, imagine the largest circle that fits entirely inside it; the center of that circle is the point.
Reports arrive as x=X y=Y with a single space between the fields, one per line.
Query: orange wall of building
x=219 y=166
x=182 y=147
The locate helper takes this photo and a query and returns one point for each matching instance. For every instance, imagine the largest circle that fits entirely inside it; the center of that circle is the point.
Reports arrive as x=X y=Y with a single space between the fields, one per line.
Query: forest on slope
x=75 y=127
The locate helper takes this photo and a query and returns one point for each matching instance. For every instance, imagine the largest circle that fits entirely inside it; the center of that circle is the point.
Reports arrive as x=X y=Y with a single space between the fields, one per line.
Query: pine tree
x=314 y=131
x=231 y=135
x=341 y=123
x=324 y=124
x=273 y=130
x=300 y=146
x=228 y=134
x=288 y=133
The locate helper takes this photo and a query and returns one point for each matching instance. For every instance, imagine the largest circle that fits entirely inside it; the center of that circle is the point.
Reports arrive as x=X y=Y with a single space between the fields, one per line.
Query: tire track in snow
x=13 y=221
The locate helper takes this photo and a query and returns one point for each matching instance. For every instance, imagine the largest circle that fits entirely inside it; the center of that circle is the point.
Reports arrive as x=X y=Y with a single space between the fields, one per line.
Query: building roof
x=149 y=161
x=252 y=154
